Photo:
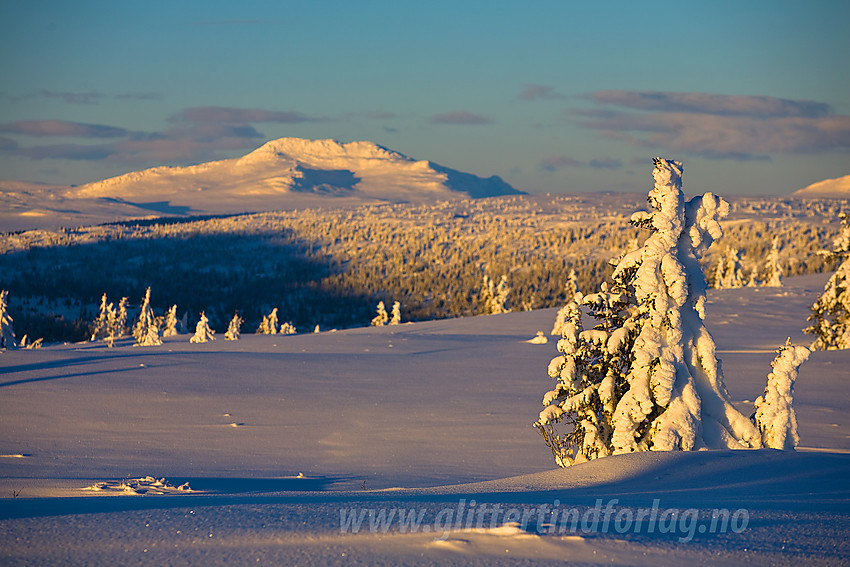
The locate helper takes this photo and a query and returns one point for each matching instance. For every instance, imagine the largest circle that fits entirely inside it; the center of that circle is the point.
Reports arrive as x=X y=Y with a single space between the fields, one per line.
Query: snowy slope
x=838 y=188
x=281 y=436
x=282 y=174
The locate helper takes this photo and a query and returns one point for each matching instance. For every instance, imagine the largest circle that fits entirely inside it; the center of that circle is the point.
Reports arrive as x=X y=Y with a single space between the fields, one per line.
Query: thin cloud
x=238 y=115
x=62 y=128
x=139 y=96
x=716 y=126
x=73 y=98
x=605 y=163
x=705 y=103
x=461 y=117
x=554 y=163
x=531 y=91
x=75 y=152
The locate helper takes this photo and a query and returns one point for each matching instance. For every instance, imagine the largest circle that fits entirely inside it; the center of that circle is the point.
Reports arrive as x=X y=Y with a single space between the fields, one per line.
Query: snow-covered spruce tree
x=7 y=333
x=381 y=318
x=646 y=376
x=774 y=415
x=288 y=328
x=203 y=333
x=268 y=326
x=495 y=297
x=571 y=289
x=233 y=329
x=120 y=321
x=171 y=322
x=147 y=331
x=830 y=315
x=733 y=272
x=99 y=327
x=772 y=266
x=396 y=314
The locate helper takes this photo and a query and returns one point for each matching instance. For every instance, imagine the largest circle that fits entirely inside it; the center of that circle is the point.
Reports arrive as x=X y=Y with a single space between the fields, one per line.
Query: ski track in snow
x=278 y=436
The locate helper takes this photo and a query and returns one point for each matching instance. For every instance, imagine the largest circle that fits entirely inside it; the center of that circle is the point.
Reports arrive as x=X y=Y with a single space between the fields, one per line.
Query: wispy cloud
x=62 y=128
x=238 y=115
x=74 y=152
x=554 y=163
x=69 y=97
x=461 y=117
x=705 y=103
x=716 y=126
x=531 y=91
x=139 y=96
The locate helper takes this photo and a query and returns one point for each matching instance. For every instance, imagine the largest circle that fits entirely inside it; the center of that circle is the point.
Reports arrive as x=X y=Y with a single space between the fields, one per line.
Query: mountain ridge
x=286 y=173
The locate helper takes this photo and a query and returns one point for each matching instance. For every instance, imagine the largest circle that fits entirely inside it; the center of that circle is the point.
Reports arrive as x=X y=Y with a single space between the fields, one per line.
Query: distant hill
x=838 y=188
x=282 y=174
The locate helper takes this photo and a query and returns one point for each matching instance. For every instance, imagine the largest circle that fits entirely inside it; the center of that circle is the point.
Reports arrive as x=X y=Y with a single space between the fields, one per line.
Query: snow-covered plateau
x=402 y=445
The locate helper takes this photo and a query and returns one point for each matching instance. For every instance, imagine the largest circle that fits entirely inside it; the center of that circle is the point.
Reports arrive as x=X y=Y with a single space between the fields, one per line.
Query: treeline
x=331 y=267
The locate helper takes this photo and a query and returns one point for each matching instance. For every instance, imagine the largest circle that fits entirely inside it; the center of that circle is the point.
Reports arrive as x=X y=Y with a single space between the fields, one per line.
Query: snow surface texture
x=282 y=174
x=419 y=405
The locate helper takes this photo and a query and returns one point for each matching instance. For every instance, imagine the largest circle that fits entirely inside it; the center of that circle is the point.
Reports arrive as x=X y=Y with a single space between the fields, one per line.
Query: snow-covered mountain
x=282 y=174
x=838 y=188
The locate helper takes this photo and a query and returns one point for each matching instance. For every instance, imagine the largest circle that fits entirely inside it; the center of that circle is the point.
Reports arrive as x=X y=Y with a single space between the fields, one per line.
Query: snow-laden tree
x=571 y=289
x=120 y=322
x=233 y=329
x=171 y=322
x=733 y=271
x=395 y=318
x=288 y=328
x=7 y=333
x=772 y=266
x=381 y=318
x=495 y=297
x=147 y=331
x=99 y=327
x=774 y=415
x=268 y=326
x=830 y=315
x=203 y=333
x=646 y=376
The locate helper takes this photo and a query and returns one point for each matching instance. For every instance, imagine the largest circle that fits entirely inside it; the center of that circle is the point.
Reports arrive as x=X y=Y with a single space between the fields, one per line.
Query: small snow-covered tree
x=268 y=326
x=7 y=333
x=233 y=329
x=99 y=327
x=120 y=321
x=288 y=328
x=147 y=331
x=830 y=315
x=646 y=376
x=733 y=271
x=203 y=333
x=772 y=266
x=561 y=316
x=381 y=318
x=495 y=297
x=171 y=322
x=396 y=314
x=774 y=415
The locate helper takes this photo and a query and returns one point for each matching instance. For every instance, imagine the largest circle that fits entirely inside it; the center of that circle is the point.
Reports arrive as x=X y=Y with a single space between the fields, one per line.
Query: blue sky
x=753 y=96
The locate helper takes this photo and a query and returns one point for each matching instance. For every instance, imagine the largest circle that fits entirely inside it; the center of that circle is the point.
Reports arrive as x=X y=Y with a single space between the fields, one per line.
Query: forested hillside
x=331 y=267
